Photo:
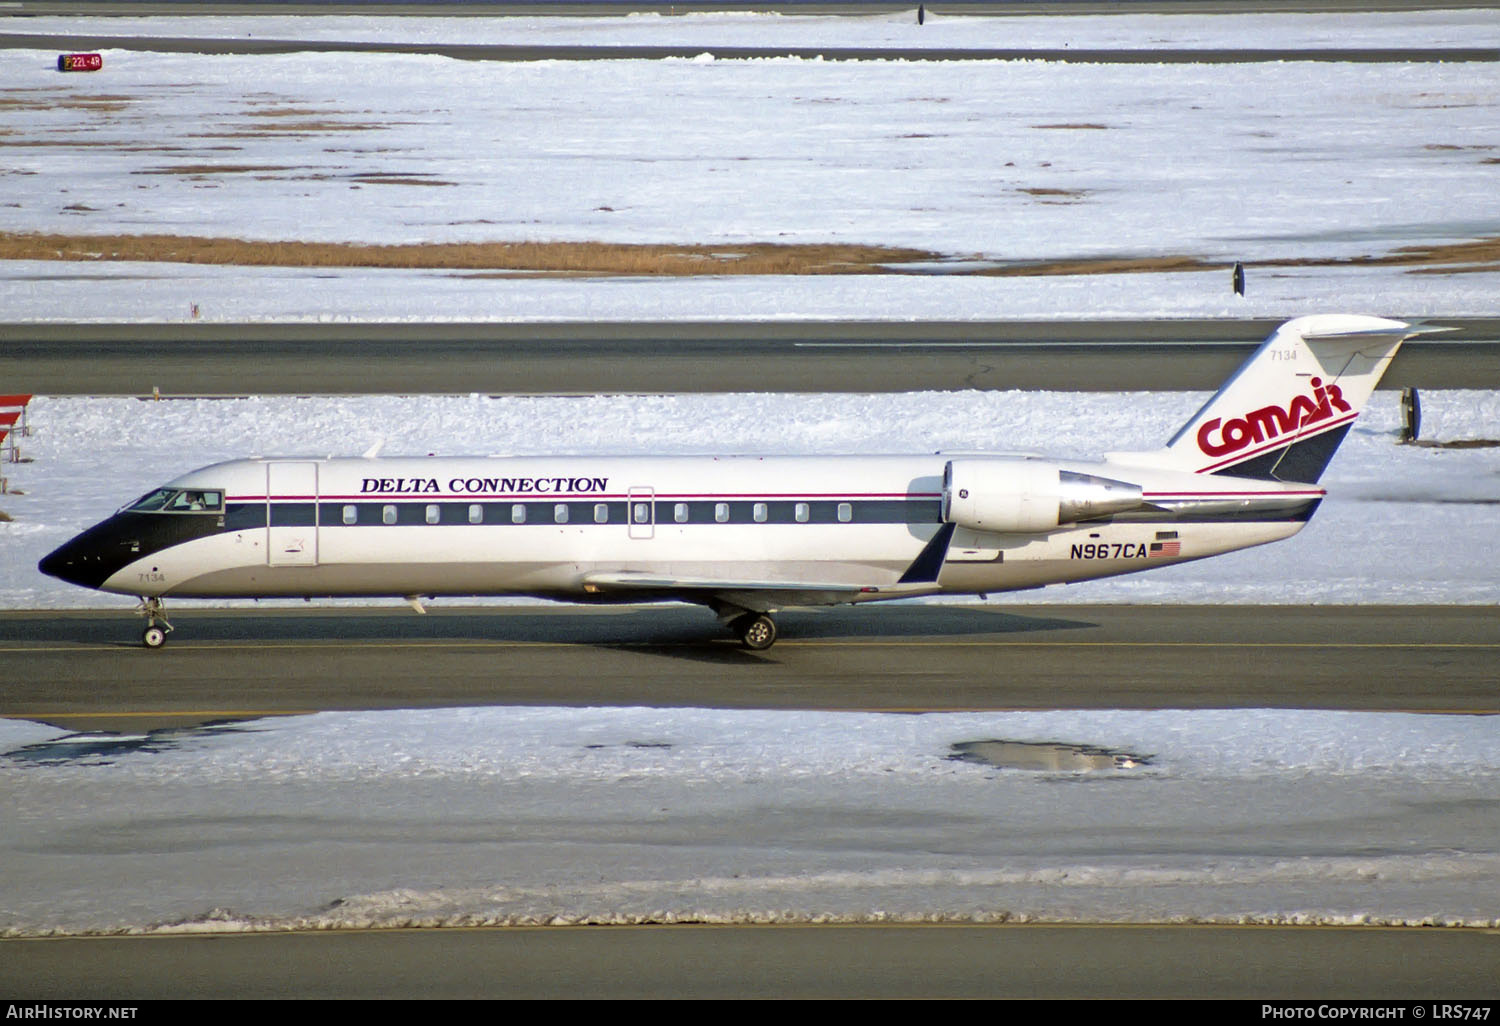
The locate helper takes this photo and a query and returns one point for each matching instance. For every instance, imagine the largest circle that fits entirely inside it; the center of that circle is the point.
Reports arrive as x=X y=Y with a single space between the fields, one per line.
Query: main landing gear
x=757 y=631
x=153 y=636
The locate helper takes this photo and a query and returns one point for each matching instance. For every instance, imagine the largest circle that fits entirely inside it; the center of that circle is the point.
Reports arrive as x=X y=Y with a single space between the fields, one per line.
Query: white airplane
x=746 y=535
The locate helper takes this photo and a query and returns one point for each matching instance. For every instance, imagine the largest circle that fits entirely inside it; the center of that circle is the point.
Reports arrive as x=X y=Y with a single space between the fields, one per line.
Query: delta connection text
x=483 y=485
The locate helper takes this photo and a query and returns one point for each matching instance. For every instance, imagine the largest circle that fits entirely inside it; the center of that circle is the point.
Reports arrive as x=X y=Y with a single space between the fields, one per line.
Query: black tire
x=153 y=637
x=757 y=631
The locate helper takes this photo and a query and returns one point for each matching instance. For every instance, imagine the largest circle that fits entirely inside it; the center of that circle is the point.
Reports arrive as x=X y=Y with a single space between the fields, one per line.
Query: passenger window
x=351 y=514
x=760 y=512
x=803 y=512
x=387 y=514
x=432 y=514
x=642 y=513
x=846 y=512
x=518 y=514
x=680 y=512
x=601 y=513
x=560 y=513
x=721 y=512
x=476 y=514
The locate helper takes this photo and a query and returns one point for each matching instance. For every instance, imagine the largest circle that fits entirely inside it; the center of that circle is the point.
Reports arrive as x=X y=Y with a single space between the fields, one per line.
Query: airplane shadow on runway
x=679 y=631
x=705 y=642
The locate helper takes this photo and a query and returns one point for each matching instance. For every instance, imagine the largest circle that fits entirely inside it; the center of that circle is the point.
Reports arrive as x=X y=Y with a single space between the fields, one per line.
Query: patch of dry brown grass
x=314 y=127
x=62 y=98
x=273 y=172
x=392 y=178
x=563 y=258
x=1100 y=265
x=290 y=112
x=1460 y=443
x=566 y=259
x=273 y=129
x=1056 y=196
x=1470 y=257
x=70 y=144
x=1444 y=258
x=214 y=169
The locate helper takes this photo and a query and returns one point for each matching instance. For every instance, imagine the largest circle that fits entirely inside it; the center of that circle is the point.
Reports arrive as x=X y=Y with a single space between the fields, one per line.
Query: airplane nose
x=68 y=562
x=96 y=555
x=89 y=559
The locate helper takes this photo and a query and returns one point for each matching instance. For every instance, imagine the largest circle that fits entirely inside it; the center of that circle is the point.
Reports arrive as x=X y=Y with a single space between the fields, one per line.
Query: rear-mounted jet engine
x=1024 y=495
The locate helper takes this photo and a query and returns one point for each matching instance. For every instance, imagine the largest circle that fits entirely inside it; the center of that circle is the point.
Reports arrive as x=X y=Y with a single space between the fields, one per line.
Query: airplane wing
x=750 y=594
x=920 y=578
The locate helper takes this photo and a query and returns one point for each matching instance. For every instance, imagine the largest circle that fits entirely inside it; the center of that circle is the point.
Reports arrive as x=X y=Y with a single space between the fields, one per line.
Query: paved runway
x=1257 y=963
x=565 y=52
x=774 y=356
x=87 y=669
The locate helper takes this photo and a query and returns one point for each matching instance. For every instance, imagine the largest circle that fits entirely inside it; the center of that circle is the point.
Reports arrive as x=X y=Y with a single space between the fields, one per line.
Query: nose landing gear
x=154 y=636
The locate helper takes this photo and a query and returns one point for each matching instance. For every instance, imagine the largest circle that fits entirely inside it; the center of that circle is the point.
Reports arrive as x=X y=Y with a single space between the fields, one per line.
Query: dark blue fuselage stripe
x=243 y=516
x=250 y=515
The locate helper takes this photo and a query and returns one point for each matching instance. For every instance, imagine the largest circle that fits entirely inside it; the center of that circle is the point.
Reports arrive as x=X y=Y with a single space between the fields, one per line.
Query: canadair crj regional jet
x=745 y=535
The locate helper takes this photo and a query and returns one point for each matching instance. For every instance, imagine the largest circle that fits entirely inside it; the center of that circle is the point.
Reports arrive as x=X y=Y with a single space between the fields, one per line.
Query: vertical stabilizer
x=1283 y=414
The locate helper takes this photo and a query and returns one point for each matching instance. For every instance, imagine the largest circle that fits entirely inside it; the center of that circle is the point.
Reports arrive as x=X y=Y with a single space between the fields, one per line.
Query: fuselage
x=556 y=526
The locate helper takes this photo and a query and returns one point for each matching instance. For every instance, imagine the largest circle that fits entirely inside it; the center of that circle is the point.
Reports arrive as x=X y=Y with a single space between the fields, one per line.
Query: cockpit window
x=196 y=500
x=179 y=500
x=151 y=501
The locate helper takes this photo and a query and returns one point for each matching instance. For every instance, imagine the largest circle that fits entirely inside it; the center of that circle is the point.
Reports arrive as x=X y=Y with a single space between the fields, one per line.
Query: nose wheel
x=757 y=631
x=154 y=636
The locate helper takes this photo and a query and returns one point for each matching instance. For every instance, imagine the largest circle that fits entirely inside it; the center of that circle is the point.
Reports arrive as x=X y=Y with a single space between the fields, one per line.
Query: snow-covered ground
x=473 y=816
x=139 y=292
x=1012 y=160
x=1402 y=523
x=1009 y=161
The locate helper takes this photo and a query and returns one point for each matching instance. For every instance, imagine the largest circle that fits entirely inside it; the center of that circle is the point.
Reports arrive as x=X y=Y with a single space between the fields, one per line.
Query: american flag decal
x=1165 y=549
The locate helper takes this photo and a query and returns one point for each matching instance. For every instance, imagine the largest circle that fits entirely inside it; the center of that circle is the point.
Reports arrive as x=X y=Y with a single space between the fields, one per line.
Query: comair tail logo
x=1221 y=438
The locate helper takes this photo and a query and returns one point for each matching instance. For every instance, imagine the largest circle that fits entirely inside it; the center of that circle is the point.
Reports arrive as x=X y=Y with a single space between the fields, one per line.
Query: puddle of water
x=1046 y=756
x=101 y=748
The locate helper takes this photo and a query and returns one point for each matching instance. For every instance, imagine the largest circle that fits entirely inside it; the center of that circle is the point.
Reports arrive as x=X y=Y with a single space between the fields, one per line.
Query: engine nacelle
x=1026 y=496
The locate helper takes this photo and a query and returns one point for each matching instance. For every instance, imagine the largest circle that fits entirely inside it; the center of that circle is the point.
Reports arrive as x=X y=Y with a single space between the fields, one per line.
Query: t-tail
x=1283 y=414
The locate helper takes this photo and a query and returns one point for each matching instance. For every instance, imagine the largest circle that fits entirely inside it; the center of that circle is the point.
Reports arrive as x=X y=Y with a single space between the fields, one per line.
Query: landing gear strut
x=153 y=636
x=757 y=631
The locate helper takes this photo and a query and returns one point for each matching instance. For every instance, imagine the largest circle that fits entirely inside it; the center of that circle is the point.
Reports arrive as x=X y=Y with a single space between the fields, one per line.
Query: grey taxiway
x=645 y=357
